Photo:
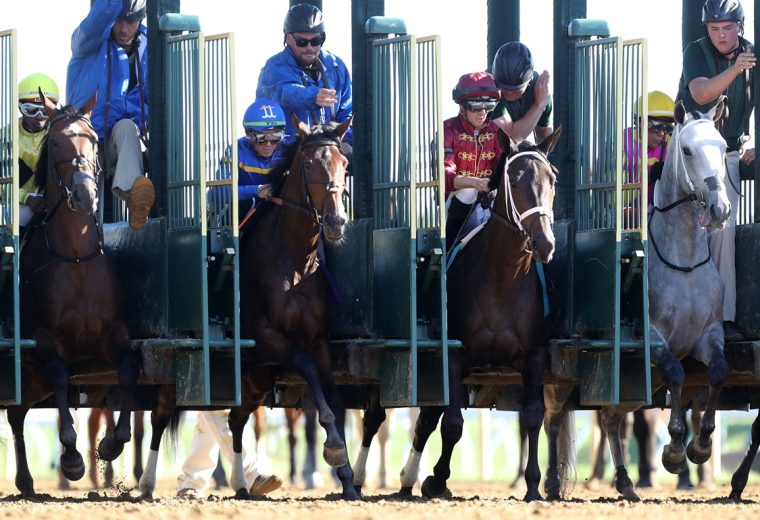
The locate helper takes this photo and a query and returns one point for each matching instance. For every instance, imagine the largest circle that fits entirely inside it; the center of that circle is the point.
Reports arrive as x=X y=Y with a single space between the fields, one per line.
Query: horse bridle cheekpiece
x=330 y=185
x=84 y=166
x=515 y=217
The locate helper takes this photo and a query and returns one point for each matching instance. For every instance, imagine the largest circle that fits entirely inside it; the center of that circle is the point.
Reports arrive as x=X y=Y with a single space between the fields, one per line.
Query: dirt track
x=471 y=501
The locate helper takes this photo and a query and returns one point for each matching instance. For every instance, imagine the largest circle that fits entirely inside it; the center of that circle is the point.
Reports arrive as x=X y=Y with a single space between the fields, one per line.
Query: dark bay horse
x=284 y=297
x=72 y=297
x=495 y=306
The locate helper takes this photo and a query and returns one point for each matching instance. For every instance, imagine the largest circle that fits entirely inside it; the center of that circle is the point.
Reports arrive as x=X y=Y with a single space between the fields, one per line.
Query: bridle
x=514 y=219
x=80 y=162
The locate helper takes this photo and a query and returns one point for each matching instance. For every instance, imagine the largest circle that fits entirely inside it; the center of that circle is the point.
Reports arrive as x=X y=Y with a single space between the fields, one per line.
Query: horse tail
x=566 y=452
x=172 y=430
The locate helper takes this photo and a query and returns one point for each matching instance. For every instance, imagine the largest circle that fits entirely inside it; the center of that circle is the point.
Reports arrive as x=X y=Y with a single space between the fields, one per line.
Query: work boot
x=731 y=332
x=140 y=201
x=264 y=484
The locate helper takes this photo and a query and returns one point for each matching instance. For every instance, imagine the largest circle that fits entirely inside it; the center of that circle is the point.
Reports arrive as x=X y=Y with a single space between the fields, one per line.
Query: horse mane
x=498 y=173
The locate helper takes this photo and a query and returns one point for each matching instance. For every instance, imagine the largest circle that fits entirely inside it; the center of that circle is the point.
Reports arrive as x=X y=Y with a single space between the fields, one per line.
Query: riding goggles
x=477 y=106
x=317 y=41
x=656 y=126
x=32 y=110
x=268 y=138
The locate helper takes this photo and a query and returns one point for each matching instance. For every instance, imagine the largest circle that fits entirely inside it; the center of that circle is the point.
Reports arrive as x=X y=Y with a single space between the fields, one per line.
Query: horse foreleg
x=560 y=434
x=613 y=419
x=700 y=447
x=57 y=373
x=739 y=479
x=24 y=481
x=427 y=421
x=345 y=472
x=164 y=413
x=111 y=446
x=374 y=416
x=139 y=434
x=674 y=453
x=533 y=414
x=237 y=420
x=452 y=425
x=334 y=450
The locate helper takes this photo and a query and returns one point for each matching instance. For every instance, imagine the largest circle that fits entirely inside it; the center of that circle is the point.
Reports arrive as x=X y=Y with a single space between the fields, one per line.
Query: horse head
x=697 y=155
x=323 y=170
x=71 y=154
x=526 y=196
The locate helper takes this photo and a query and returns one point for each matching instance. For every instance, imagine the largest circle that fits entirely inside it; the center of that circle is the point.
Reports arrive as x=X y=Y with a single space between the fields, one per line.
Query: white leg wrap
x=148 y=480
x=237 y=479
x=360 y=466
x=411 y=469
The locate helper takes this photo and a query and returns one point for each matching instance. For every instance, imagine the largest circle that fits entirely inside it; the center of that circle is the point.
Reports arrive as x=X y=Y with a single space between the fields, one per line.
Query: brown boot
x=141 y=198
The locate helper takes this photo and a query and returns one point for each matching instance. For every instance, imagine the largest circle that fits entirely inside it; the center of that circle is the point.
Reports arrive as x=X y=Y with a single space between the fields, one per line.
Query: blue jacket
x=284 y=81
x=88 y=69
x=252 y=169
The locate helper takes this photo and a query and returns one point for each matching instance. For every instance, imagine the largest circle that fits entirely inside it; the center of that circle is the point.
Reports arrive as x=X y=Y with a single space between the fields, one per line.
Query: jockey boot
x=140 y=201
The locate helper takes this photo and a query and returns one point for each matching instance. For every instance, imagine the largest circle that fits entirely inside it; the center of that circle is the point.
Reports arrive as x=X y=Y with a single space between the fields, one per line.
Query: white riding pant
x=210 y=434
x=722 y=241
x=125 y=154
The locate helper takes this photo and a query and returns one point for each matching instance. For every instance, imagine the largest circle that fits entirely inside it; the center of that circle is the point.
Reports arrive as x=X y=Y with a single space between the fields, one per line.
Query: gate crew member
x=722 y=63
x=31 y=131
x=305 y=79
x=659 y=127
x=471 y=149
x=109 y=57
x=525 y=108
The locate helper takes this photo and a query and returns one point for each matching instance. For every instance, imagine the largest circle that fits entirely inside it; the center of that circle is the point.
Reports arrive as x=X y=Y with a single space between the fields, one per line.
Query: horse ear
x=87 y=108
x=548 y=144
x=506 y=142
x=343 y=127
x=679 y=114
x=301 y=127
x=50 y=109
x=719 y=109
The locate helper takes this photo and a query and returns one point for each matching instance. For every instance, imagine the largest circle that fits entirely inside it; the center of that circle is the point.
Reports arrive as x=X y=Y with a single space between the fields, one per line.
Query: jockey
x=471 y=148
x=31 y=131
x=525 y=108
x=660 y=125
x=259 y=150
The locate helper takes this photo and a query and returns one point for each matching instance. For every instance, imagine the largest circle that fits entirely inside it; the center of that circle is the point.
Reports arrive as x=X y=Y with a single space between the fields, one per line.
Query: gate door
x=408 y=238
x=202 y=219
x=610 y=290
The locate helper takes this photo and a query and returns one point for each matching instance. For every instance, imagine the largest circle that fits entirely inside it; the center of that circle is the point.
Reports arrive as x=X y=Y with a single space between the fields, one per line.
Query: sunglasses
x=660 y=127
x=317 y=41
x=265 y=138
x=32 y=110
x=477 y=106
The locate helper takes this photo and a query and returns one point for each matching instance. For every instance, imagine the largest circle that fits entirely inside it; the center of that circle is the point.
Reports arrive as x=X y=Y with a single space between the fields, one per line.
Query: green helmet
x=29 y=87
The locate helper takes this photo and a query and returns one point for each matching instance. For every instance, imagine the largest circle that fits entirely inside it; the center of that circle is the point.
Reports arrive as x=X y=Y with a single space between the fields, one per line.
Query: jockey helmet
x=133 y=10
x=513 y=66
x=264 y=114
x=305 y=18
x=476 y=85
x=722 y=11
x=660 y=105
x=29 y=87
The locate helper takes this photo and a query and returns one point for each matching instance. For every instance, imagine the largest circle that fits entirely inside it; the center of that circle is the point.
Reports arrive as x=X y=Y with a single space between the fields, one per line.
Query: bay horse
x=284 y=296
x=685 y=290
x=495 y=306
x=71 y=293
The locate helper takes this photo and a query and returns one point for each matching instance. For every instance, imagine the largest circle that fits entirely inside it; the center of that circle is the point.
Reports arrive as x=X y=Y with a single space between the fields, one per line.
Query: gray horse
x=685 y=290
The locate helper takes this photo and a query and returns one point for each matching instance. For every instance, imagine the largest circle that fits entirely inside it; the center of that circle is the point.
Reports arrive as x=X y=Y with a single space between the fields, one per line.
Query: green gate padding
x=608 y=295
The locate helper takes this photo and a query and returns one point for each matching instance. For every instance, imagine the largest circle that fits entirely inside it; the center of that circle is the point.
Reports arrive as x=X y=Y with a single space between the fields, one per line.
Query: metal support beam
x=691 y=21
x=564 y=96
x=361 y=73
x=503 y=25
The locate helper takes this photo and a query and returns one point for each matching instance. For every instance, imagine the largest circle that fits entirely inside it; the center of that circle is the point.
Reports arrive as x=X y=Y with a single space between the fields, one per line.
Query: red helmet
x=476 y=85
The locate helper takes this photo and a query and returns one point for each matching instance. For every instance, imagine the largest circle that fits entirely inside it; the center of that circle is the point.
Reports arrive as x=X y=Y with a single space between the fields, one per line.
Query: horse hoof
x=697 y=454
x=349 y=493
x=552 y=488
x=630 y=494
x=358 y=490
x=435 y=488
x=109 y=449
x=736 y=495
x=335 y=457
x=532 y=495
x=242 y=494
x=673 y=461
x=73 y=472
x=405 y=492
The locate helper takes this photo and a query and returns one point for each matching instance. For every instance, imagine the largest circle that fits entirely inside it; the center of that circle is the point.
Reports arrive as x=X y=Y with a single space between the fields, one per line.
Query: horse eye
x=686 y=150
